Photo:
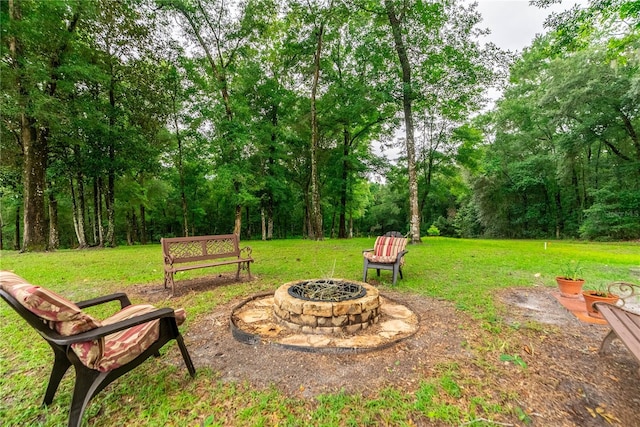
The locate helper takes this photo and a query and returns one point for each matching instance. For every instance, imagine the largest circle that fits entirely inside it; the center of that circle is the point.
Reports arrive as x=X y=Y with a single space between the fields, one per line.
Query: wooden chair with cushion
x=100 y=351
x=387 y=254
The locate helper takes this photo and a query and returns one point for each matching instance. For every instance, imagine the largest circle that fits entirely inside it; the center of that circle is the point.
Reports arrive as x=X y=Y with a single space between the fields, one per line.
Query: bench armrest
x=112 y=328
x=247 y=250
x=624 y=290
x=120 y=296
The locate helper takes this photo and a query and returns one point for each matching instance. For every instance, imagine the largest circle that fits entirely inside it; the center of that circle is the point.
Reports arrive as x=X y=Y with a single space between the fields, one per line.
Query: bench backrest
x=199 y=248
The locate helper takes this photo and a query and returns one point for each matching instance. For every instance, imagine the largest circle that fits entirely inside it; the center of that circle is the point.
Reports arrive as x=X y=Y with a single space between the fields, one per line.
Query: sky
x=514 y=23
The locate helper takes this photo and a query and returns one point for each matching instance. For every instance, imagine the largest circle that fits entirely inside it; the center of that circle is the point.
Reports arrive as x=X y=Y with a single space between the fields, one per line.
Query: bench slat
x=625 y=324
x=213 y=264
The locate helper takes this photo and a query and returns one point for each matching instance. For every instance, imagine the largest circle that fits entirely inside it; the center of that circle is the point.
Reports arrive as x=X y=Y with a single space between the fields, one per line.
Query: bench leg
x=249 y=269
x=168 y=278
x=607 y=341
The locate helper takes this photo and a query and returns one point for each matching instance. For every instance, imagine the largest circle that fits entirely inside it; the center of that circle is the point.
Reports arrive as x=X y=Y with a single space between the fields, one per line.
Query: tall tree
x=37 y=41
x=397 y=14
x=222 y=31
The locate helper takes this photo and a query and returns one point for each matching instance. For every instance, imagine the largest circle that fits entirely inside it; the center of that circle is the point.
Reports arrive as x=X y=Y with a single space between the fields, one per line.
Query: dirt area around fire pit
x=564 y=382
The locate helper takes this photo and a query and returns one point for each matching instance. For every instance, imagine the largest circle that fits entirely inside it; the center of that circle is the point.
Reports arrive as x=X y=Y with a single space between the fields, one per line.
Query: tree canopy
x=125 y=122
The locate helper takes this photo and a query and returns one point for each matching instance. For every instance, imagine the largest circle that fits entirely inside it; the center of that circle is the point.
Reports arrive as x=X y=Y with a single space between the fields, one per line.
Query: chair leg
x=378 y=271
x=60 y=366
x=395 y=275
x=364 y=273
x=88 y=383
x=186 y=356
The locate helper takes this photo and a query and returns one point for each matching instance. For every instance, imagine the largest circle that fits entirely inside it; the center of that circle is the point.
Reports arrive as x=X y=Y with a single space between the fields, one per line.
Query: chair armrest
x=120 y=296
x=110 y=329
x=399 y=255
x=368 y=250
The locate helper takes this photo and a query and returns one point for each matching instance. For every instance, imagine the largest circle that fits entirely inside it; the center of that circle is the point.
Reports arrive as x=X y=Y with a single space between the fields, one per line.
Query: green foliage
x=564 y=161
x=572 y=270
x=433 y=230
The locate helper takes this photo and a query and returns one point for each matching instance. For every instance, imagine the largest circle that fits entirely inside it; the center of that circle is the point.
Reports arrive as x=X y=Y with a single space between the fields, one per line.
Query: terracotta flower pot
x=569 y=288
x=590 y=297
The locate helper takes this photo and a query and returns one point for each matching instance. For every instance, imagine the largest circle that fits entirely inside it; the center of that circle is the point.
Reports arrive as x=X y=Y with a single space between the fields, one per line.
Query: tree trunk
x=407 y=97
x=110 y=196
x=315 y=223
x=33 y=140
x=129 y=232
x=33 y=173
x=342 y=227
x=237 y=226
x=183 y=197
x=97 y=210
x=350 y=225
x=143 y=225
x=54 y=233
x=78 y=219
x=263 y=224
x=249 y=230
x=16 y=241
x=270 y=224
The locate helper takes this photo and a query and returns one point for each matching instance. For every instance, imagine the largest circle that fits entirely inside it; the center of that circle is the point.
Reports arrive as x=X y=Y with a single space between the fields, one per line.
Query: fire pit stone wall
x=326 y=317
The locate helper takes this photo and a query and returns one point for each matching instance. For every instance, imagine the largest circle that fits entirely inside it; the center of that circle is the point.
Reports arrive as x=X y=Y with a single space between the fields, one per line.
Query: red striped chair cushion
x=386 y=249
x=67 y=319
x=121 y=347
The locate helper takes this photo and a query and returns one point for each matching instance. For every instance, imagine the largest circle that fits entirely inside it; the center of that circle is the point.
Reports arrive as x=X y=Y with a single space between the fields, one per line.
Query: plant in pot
x=570 y=282
x=592 y=296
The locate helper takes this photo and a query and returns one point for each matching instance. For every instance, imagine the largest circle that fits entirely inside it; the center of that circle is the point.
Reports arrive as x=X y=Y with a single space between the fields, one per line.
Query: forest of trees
x=123 y=121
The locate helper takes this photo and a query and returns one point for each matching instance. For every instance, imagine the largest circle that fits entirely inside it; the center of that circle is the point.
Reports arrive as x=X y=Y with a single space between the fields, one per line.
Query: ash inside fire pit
x=327 y=290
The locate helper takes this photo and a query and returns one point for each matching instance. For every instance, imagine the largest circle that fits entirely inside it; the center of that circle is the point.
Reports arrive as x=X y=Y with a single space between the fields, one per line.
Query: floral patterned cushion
x=62 y=315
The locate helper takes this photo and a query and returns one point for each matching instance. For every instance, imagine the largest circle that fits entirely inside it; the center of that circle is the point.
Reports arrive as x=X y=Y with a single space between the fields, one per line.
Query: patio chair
x=387 y=254
x=100 y=351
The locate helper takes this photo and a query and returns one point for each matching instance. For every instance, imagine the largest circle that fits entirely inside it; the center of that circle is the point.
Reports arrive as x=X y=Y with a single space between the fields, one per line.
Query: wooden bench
x=187 y=253
x=624 y=324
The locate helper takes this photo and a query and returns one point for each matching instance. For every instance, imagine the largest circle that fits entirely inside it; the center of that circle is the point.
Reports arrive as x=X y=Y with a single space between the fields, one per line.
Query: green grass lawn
x=462 y=271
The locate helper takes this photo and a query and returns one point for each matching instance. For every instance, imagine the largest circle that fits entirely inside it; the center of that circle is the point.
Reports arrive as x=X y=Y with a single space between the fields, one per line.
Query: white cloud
x=514 y=23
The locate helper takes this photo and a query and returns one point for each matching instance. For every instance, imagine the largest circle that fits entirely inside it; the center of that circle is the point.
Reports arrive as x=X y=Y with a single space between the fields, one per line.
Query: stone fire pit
x=292 y=317
x=326 y=306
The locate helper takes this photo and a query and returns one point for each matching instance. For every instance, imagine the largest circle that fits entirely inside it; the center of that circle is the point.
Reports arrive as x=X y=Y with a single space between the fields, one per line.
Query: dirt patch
x=565 y=381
